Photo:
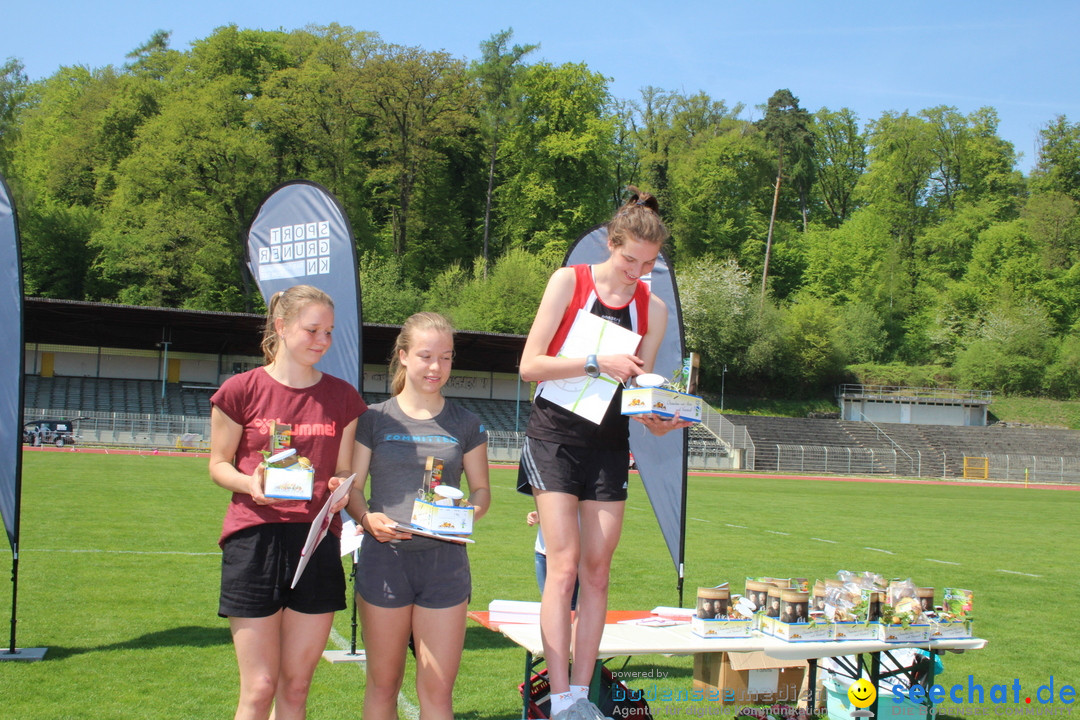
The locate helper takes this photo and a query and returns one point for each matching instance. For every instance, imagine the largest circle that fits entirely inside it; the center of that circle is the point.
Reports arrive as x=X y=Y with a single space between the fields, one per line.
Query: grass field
x=119 y=574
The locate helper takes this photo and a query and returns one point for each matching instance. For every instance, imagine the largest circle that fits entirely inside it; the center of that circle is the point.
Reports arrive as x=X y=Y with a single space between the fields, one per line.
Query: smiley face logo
x=861 y=693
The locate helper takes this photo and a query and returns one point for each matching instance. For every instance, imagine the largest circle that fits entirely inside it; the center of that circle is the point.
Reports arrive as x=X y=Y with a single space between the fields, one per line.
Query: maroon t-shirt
x=318 y=415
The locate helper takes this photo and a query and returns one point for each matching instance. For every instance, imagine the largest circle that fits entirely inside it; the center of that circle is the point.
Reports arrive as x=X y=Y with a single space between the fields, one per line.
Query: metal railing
x=835 y=460
x=730 y=435
x=127 y=429
x=898 y=392
x=882 y=434
x=162 y=431
x=1033 y=468
x=838 y=460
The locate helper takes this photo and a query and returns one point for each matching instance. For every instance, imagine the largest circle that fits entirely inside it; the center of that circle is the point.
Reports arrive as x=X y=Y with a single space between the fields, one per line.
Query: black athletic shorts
x=258 y=564
x=588 y=473
x=389 y=575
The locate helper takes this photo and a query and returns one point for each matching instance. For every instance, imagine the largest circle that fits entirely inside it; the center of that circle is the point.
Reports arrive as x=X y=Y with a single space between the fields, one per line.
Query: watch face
x=592 y=368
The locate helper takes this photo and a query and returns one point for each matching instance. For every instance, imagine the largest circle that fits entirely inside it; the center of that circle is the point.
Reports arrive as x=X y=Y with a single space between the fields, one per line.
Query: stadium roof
x=90 y=324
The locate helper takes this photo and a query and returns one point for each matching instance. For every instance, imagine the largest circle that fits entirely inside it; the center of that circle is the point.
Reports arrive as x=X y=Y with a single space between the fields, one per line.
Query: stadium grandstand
x=140 y=376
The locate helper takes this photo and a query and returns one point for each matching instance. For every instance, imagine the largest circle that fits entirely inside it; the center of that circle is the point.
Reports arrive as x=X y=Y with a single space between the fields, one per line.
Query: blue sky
x=1022 y=58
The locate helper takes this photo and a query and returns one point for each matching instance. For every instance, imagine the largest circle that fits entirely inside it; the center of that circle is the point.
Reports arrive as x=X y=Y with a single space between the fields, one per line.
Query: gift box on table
x=721 y=627
x=950 y=629
x=801 y=632
x=894 y=632
x=855 y=630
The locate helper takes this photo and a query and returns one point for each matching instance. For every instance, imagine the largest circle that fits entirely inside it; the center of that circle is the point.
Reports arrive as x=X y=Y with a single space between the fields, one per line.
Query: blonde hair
x=420 y=322
x=287 y=304
x=640 y=217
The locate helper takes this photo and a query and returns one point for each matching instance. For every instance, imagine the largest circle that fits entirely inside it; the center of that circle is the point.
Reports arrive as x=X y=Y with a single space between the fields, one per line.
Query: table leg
x=527 y=687
x=811 y=685
x=596 y=685
x=875 y=679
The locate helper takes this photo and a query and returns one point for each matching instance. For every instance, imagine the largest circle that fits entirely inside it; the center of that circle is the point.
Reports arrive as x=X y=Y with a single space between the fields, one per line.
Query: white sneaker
x=581 y=709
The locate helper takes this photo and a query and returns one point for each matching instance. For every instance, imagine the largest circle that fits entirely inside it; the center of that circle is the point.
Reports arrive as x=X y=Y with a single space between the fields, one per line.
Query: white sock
x=580 y=692
x=560 y=701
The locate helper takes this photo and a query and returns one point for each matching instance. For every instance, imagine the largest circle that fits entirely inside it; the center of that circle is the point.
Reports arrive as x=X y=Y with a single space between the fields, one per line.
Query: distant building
x=915 y=406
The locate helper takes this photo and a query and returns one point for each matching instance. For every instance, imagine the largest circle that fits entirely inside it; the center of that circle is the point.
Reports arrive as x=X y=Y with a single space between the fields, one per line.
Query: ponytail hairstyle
x=640 y=217
x=287 y=304
x=420 y=322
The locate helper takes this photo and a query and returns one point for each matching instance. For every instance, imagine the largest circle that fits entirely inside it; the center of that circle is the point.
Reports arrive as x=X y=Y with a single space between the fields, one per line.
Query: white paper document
x=350 y=538
x=586 y=396
x=319 y=527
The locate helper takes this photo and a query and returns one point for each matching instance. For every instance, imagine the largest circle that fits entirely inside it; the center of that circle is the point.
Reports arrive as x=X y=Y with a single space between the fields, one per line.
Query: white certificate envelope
x=319 y=527
x=590 y=335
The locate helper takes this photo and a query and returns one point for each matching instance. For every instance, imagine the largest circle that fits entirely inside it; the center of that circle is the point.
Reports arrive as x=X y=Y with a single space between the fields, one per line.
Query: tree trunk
x=487 y=204
x=772 y=222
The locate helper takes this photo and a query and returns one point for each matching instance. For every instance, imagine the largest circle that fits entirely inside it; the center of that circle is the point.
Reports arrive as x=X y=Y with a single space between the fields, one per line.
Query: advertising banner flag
x=660 y=460
x=11 y=366
x=300 y=236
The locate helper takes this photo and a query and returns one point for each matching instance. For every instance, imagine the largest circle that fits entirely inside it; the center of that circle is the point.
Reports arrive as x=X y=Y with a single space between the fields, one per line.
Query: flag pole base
x=341 y=656
x=24 y=654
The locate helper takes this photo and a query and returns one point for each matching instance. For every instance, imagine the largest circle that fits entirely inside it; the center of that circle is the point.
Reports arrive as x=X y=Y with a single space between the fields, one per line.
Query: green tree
x=310 y=114
x=718 y=305
x=154 y=59
x=720 y=191
x=1052 y=219
x=13 y=97
x=1009 y=351
x=388 y=296
x=944 y=249
x=852 y=263
x=649 y=123
x=445 y=291
x=557 y=160
x=1062 y=377
x=418 y=103
x=172 y=233
x=810 y=357
x=506 y=300
x=840 y=149
x=497 y=72
x=860 y=335
x=787 y=129
x=55 y=256
x=664 y=127
x=58 y=154
x=1058 y=166
x=972 y=163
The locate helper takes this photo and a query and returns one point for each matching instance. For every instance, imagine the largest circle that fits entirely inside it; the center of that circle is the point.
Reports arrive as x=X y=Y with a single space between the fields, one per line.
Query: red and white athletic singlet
x=553 y=423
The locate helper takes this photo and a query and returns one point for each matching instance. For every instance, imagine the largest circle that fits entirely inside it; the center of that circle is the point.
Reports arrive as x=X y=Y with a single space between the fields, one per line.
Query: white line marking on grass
x=339 y=640
x=408 y=710
x=776 y=532
x=1014 y=572
x=834 y=542
x=943 y=562
x=633 y=507
x=887 y=552
x=743 y=527
x=120 y=552
x=700 y=520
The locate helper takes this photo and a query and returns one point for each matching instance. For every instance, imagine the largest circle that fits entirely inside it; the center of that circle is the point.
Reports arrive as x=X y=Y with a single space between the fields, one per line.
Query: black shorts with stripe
x=586 y=472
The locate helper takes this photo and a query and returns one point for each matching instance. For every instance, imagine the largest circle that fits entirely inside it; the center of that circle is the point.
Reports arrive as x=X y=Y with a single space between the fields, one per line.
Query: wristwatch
x=592 y=368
